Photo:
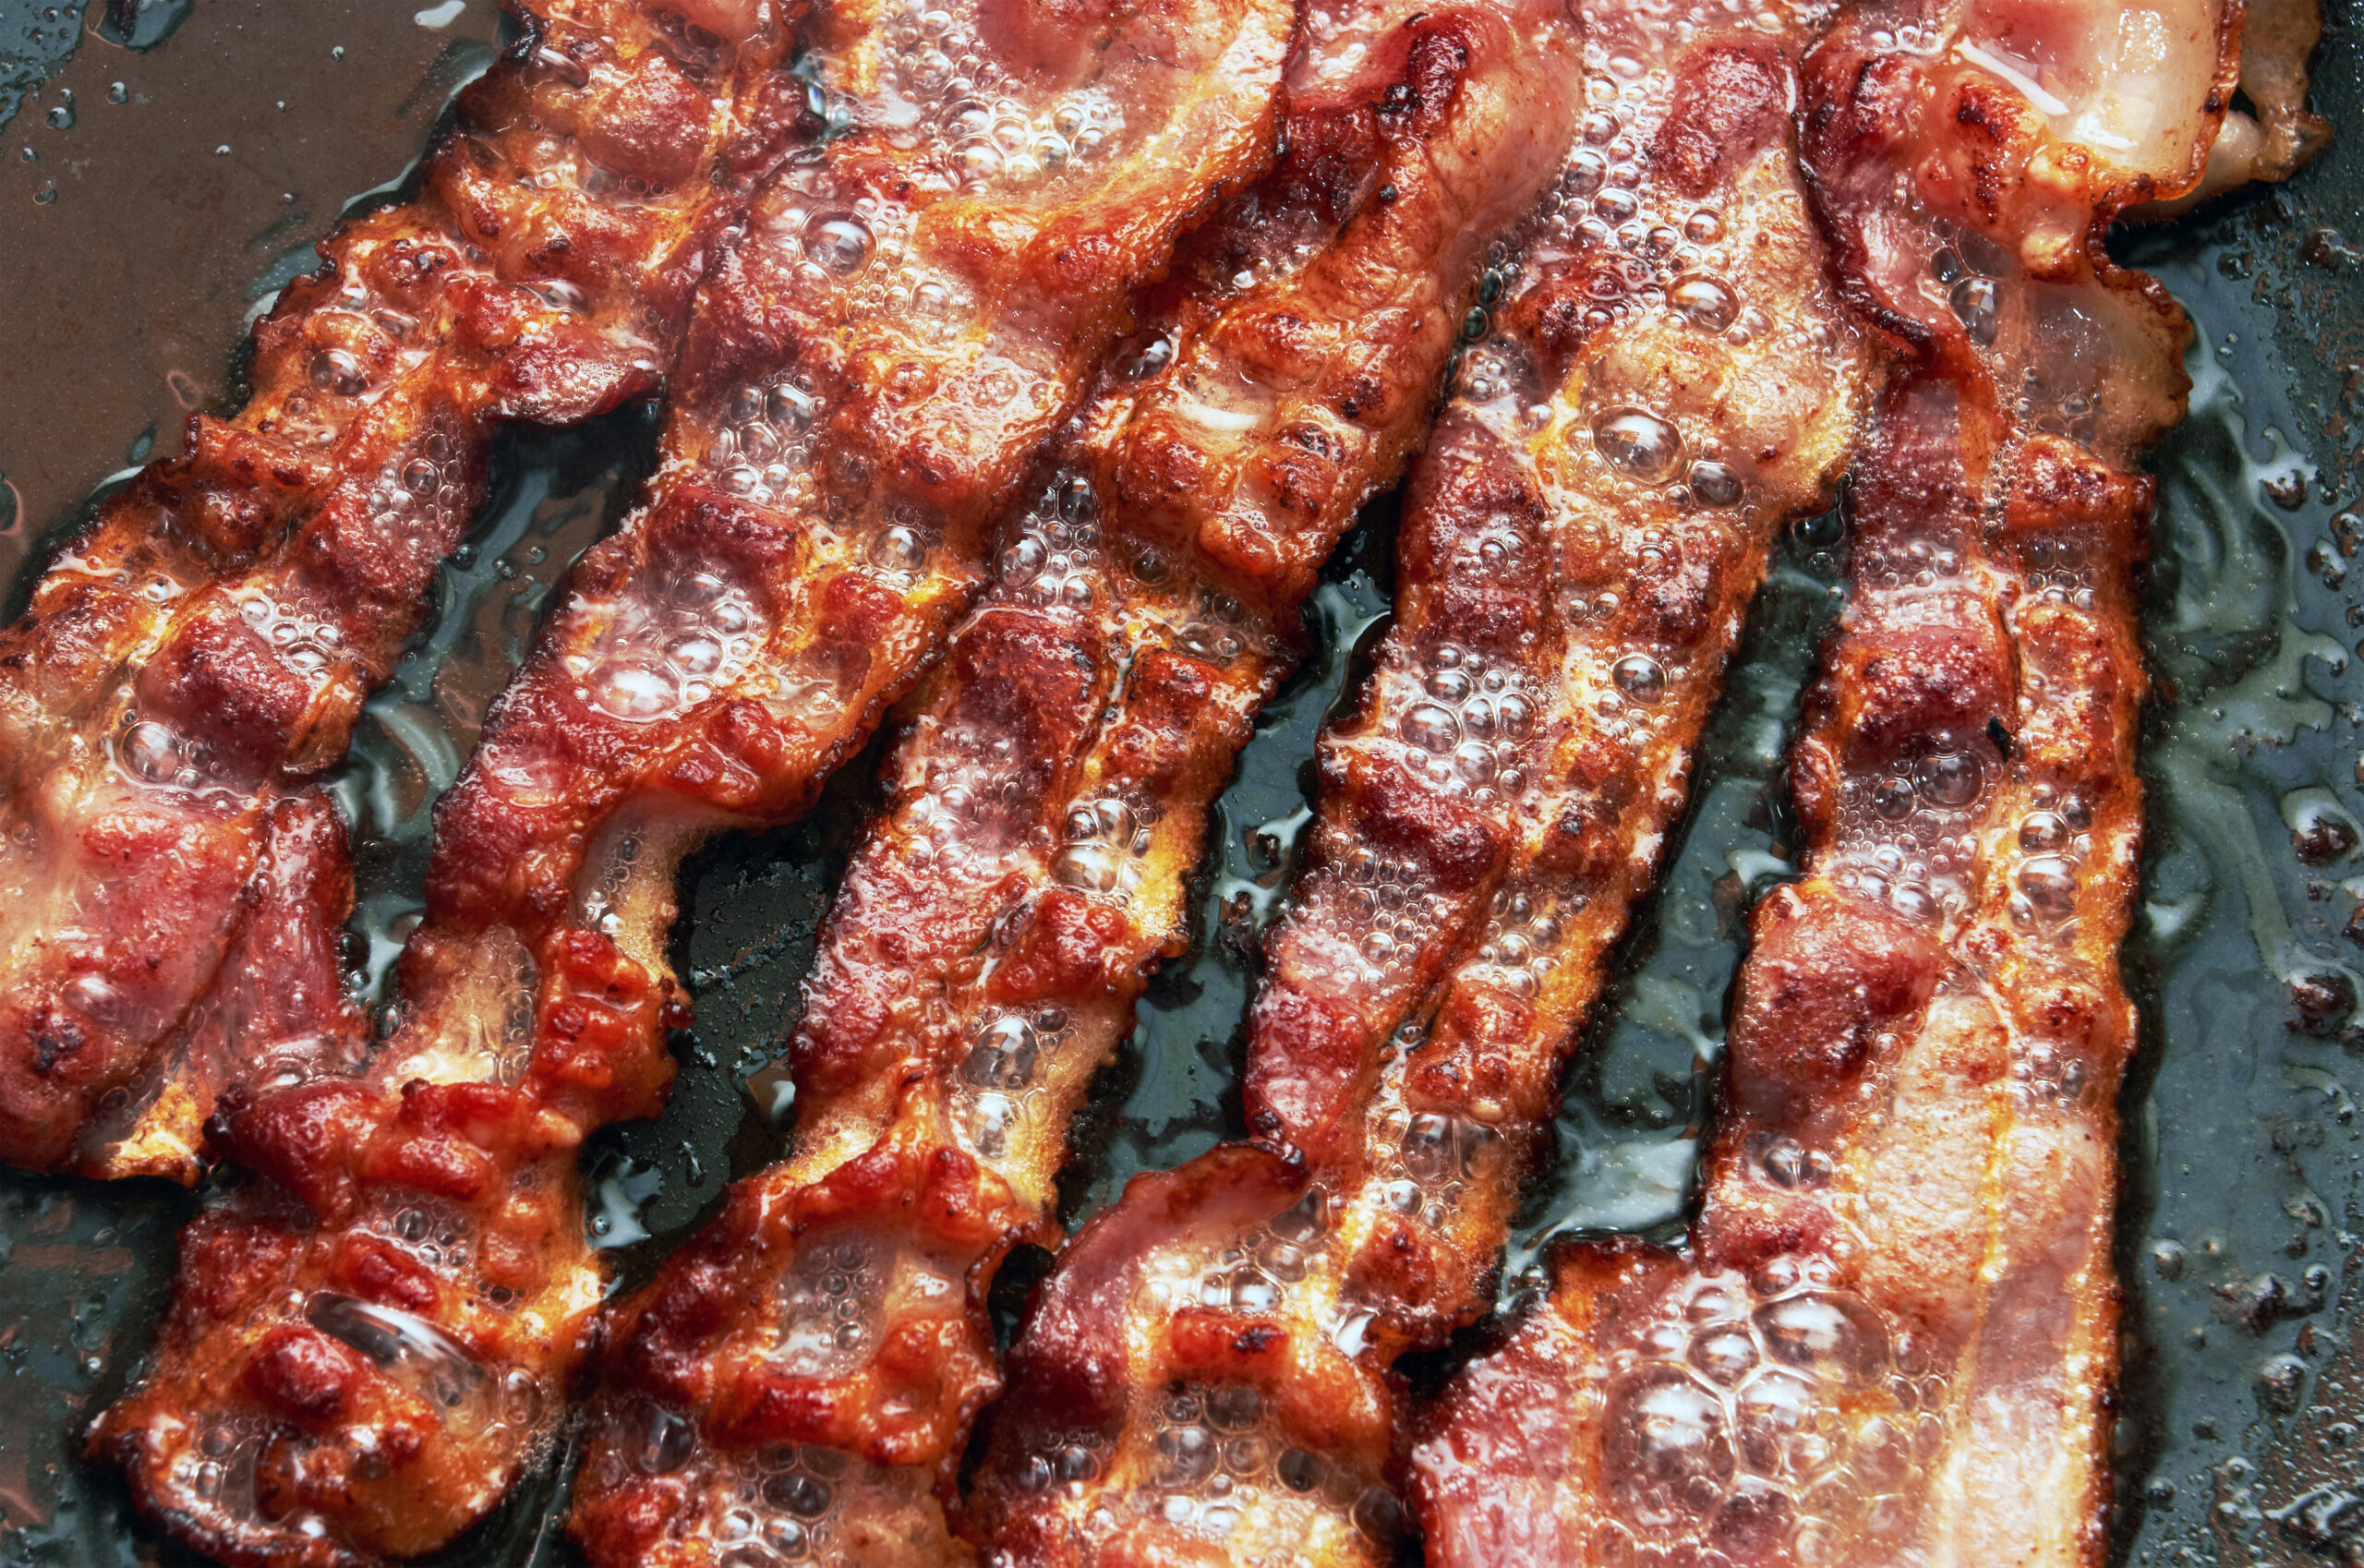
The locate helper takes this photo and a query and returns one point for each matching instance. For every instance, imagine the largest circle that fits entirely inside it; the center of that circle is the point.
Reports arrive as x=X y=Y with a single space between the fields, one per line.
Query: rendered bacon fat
x=203 y=650
x=370 y=1341
x=804 y=1372
x=1205 y=1377
x=1893 y=1340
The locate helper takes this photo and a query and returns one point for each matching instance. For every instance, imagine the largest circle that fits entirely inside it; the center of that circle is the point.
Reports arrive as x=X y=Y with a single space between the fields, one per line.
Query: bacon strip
x=1893 y=1338
x=372 y=1340
x=203 y=650
x=1206 y=1376
x=2277 y=39
x=2276 y=134
x=804 y=1372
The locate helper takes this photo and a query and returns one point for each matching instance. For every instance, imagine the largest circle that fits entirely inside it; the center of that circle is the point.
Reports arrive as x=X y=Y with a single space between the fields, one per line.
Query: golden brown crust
x=1206 y=1377
x=377 y=1334
x=1049 y=803
x=1894 y=1335
x=205 y=646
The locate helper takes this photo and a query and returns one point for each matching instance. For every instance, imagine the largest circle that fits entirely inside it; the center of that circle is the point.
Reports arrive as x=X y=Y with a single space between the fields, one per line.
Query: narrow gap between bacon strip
x=188 y=665
x=1894 y=1337
x=1206 y=1377
x=372 y=1339
x=806 y=1369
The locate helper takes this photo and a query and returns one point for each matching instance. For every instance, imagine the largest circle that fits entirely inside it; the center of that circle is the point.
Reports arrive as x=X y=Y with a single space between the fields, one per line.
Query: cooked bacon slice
x=370 y=1341
x=187 y=663
x=2277 y=39
x=278 y=1011
x=2274 y=136
x=1206 y=1376
x=1893 y=1338
x=803 y=1373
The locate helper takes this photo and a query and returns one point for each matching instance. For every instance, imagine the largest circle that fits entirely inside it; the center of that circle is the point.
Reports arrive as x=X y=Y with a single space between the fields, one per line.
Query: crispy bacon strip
x=804 y=1372
x=1893 y=1339
x=190 y=661
x=1206 y=1375
x=372 y=1340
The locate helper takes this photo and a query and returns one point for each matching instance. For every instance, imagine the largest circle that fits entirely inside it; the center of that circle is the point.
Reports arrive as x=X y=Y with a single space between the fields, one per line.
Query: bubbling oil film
x=165 y=164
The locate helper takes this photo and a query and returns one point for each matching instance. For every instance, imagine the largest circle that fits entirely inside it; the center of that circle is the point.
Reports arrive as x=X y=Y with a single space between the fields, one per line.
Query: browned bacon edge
x=197 y=655
x=372 y=1339
x=1206 y=1376
x=803 y=1373
x=1893 y=1339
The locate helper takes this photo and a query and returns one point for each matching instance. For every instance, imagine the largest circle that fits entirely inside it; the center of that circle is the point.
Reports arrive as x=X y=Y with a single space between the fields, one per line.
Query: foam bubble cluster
x=658 y=657
x=1753 y=1414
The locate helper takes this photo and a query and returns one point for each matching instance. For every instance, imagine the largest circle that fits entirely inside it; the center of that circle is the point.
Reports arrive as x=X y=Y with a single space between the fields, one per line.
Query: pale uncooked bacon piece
x=1893 y=1338
x=2277 y=39
x=2274 y=136
x=372 y=1340
x=804 y=1371
x=1207 y=1376
x=204 y=649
